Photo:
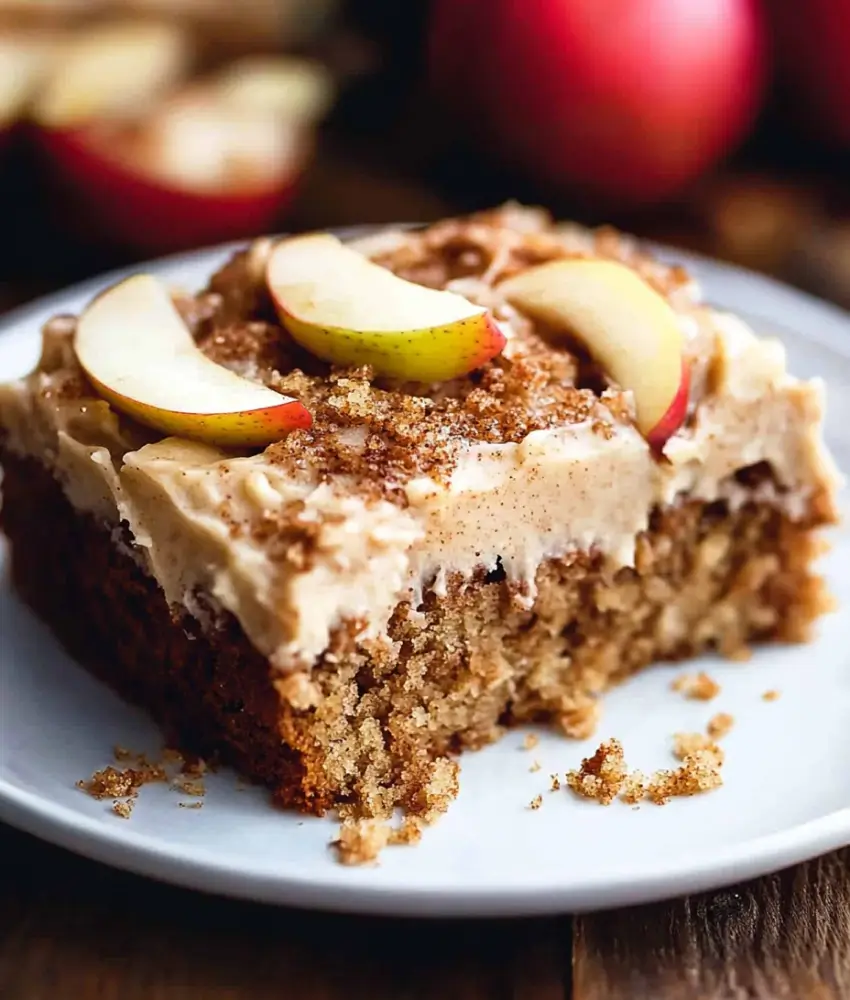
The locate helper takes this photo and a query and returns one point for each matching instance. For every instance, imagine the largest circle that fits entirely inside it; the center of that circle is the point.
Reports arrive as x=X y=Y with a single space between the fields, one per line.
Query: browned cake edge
x=388 y=720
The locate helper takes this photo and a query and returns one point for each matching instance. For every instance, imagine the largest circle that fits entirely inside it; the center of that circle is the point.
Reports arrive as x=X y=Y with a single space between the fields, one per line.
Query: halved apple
x=343 y=308
x=140 y=356
x=624 y=324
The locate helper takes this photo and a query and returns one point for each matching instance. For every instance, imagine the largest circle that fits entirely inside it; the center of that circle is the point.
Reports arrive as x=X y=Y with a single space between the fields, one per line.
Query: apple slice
x=140 y=356
x=294 y=90
x=625 y=325
x=343 y=308
x=113 y=69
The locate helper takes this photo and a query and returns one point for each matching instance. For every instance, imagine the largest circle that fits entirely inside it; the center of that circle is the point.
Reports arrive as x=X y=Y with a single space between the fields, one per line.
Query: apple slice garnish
x=113 y=69
x=624 y=324
x=347 y=310
x=140 y=356
x=298 y=91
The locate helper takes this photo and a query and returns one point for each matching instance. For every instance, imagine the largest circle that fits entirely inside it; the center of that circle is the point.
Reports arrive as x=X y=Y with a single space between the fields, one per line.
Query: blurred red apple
x=624 y=100
x=813 y=53
x=217 y=160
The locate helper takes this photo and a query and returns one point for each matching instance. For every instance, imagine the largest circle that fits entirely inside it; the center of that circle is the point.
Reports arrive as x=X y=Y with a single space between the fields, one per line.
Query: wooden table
x=74 y=930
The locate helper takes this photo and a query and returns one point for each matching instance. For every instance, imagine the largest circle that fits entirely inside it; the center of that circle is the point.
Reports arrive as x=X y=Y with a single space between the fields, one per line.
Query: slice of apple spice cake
x=352 y=509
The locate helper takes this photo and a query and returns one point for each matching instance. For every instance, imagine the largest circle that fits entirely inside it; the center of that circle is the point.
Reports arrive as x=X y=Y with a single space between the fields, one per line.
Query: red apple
x=813 y=42
x=626 y=100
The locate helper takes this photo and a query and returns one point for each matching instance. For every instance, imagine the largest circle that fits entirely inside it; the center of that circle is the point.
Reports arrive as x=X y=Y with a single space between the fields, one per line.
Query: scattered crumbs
x=122 y=754
x=530 y=741
x=687 y=744
x=190 y=805
x=536 y=802
x=601 y=776
x=123 y=809
x=699 y=686
x=409 y=832
x=719 y=725
x=634 y=788
x=118 y=783
x=361 y=841
x=188 y=785
x=556 y=783
x=535 y=767
x=700 y=772
x=770 y=695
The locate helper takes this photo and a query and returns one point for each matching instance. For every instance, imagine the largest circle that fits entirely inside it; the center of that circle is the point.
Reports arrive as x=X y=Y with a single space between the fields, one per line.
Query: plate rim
x=203 y=870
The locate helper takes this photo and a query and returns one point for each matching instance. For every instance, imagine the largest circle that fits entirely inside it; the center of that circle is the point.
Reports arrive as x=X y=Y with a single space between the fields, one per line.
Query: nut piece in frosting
x=343 y=308
x=140 y=356
x=624 y=324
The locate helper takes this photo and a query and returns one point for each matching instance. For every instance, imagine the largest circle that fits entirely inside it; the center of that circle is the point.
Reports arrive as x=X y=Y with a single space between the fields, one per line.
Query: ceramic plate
x=786 y=795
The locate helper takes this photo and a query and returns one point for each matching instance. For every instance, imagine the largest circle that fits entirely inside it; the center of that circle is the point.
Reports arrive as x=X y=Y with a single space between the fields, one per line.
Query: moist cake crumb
x=555 y=785
x=530 y=741
x=188 y=786
x=123 y=808
x=361 y=841
x=700 y=772
x=699 y=687
x=601 y=776
x=687 y=744
x=536 y=802
x=770 y=695
x=719 y=725
x=634 y=788
x=581 y=720
x=112 y=782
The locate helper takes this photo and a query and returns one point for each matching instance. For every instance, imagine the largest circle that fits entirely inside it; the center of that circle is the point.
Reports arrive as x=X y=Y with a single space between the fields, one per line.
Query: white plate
x=786 y=795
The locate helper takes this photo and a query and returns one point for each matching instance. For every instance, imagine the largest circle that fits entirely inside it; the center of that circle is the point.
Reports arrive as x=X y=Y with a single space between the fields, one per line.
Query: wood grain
x=787 y=935
x=74 y=930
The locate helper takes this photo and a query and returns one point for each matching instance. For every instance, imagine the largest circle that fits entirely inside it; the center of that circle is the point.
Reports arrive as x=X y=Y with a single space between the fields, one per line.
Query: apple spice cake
x=339 y=611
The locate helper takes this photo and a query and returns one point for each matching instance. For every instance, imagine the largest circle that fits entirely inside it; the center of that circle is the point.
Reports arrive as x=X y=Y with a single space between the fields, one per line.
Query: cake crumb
x=601 y=776
x=719 y=725
x=634 y=788
x=122 y=754
x=700 y=772
x=536 y=802
x=699 y=687
x=361 y=841
x=771 y=695
x=190 y=805
x=687 y=744
x=580 y=722
x=123 y=808
x=535 y=767
x=556 y=783
x=189 y=785
x=115 y=783
x=530 y=741
x=408 y=833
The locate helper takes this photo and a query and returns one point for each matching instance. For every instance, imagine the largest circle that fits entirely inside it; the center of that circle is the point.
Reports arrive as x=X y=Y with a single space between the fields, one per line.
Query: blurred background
x=133 y=128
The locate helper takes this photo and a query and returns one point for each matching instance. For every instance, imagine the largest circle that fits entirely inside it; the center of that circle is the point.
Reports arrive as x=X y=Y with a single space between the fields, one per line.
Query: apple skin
x=131 y=335
x=624 y=102
x=675 y=415
x=310 y=277
x=812 y=43
x=143 y=213
x=248 y=429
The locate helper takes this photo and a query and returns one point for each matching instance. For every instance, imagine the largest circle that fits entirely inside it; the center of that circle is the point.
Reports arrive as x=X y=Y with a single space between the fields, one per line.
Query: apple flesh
x=624 y=104
x=624 y=324
x=346 y=310
x=140 y=356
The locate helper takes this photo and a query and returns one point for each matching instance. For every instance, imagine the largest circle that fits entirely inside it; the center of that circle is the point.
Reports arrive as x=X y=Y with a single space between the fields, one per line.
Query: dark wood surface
x=71 y=929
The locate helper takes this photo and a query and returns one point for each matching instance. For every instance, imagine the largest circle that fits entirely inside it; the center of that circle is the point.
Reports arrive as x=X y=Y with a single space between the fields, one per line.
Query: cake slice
x=494 y=467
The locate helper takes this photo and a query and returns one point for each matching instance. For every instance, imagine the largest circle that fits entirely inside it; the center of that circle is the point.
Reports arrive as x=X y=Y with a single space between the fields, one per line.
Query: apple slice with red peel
x=140 y=356
x=347 y=310
x=113 y=69
x=624 y=324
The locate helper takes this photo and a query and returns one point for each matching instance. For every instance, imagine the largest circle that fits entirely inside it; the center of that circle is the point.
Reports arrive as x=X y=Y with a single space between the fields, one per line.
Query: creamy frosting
x=293 y=558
